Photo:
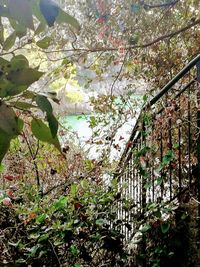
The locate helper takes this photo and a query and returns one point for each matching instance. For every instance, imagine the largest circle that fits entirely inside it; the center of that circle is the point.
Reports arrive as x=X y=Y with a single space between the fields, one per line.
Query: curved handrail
x=169 y=85
x=162 y=92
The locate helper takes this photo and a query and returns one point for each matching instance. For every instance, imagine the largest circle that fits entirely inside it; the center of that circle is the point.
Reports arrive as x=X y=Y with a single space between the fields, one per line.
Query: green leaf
x=2 y=167
x=24 y=76
x=41 y=27
x=15 y=90
x=74 y=250
x=60 y=204
x=9 y=42
x=43 y=237
x=40 y=219
x=63 y=17
x=28 y=94
x=22 y=12
x=45 y=42
x=100 y=222
x=158 y=214
x=20 y=124
x=22 y=105
x=145 y=228
x=169 y=156
x=53 y=124
x=183 y=216
x=4 y=65
x=34 y=249
x=20 y=29
x=142 y=151
x=4 y=144
x=134 y=39
x=7 y=88
x=19 y=62
x=14 y=244
x=145 y=98
x=43 y=133
x=21 y=261
x=84 y=184
x=176 y=146
x=148 y=185
x=36 y=11
x=8 y=121
x=10 y=127
x=43 y=103
x=74 y=189
x=159 y=180
x=93 y=122
x=1 y=33
x=165 y=227
x=34 y=236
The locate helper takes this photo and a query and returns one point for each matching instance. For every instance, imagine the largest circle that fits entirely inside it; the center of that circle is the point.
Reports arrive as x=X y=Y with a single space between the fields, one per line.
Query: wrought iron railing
x=161 y=161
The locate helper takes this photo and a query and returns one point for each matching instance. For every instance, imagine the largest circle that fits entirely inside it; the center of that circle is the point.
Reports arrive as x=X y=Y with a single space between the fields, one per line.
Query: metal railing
x=161 y=161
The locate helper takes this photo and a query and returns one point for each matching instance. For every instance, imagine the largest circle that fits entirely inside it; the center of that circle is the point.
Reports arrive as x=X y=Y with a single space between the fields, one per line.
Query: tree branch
x=112 y=49
x=170 y=35
x=159 y=5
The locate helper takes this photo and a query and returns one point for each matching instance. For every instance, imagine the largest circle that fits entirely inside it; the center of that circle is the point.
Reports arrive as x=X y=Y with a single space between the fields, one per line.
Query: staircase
x=161 y=161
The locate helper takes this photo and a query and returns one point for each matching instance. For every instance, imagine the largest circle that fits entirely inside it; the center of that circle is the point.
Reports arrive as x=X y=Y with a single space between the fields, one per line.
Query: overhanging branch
x=148 y=44
x=172 y=3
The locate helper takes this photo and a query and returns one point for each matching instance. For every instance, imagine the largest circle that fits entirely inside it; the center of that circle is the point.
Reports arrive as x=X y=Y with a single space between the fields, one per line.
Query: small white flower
x=7 y=202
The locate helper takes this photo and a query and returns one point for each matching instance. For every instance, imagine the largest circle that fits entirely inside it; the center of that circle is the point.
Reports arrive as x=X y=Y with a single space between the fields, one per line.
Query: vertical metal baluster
x=128 y=195
x=138 y=186
x=152 y=173
x=198 y=147
x=189 y=138
x=161 y=159
x=143 y=192
x=125 y=195
x=120 y=202
x=151 y=168
x=179 y=152
x=143 y=179
x=133 y=194
x=170 y=166
x=135 y=185
x=153 y=183
x=130 y=191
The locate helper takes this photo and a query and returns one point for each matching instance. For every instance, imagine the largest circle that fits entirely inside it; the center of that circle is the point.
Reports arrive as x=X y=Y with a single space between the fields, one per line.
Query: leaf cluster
x=78 y=229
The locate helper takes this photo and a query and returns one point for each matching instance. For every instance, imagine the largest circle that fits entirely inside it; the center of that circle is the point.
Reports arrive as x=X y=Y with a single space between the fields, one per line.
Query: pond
x=80 y=125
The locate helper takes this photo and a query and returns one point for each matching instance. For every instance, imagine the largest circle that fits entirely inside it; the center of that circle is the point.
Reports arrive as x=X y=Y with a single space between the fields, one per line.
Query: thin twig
x=15 y=49
x=53 y=188
x=52 y=246
x=195 y=200
x=37 y=149
x=33 y=158
x=118 y=75
x=97 y=58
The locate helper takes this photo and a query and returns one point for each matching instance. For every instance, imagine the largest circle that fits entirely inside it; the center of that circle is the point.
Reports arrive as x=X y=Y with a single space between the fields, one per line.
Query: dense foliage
x=80 y=228
x=57 y=206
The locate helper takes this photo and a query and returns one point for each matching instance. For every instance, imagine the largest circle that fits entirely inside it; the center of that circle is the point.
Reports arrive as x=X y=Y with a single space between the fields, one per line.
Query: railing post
x=144 y=191
x=198 y=148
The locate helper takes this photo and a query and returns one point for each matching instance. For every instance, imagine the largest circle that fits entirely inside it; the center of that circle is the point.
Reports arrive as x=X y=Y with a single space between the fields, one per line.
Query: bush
x=79 y=228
